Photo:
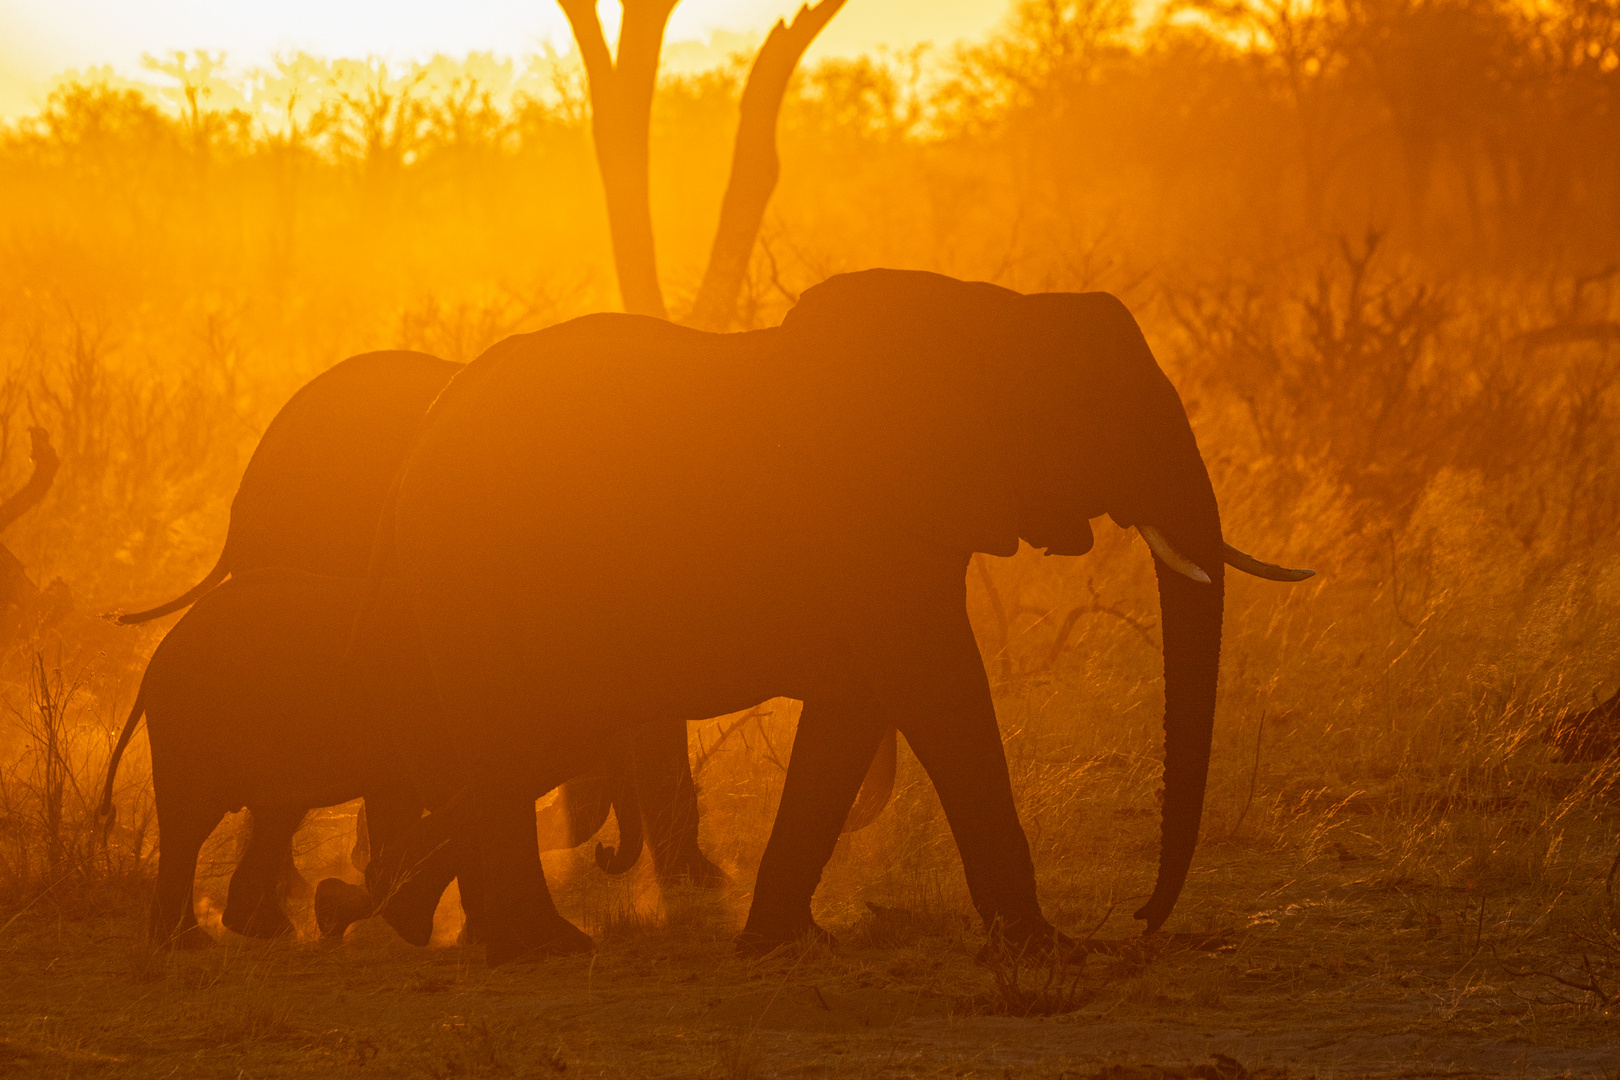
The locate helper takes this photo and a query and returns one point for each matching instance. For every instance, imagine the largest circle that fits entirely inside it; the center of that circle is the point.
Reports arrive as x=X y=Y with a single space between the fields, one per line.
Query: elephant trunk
x=1191 y=612
x=627 y=808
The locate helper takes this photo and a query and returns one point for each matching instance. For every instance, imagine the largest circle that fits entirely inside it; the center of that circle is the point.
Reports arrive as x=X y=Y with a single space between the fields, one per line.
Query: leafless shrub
x=52 y=843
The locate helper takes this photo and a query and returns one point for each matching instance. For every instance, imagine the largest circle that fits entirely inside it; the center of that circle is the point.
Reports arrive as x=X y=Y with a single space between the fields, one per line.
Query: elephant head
x=1059 y=415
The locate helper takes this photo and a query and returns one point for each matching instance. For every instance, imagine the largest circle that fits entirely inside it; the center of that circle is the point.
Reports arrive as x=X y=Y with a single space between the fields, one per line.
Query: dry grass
x=1398 y=871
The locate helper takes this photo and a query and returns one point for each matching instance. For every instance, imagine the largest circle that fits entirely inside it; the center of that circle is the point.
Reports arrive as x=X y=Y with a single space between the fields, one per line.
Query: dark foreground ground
x=1339 y=974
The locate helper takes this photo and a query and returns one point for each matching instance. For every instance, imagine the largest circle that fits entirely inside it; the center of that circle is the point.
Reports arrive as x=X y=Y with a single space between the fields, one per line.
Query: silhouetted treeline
x=1473 y=131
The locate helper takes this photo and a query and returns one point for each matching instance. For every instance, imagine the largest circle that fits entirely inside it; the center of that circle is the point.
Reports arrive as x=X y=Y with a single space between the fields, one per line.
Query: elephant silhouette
x=250 y=702
x=584 y=540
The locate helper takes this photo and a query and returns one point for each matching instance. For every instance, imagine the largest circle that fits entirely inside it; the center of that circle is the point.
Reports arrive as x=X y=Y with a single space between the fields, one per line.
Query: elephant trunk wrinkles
x=1191 y=614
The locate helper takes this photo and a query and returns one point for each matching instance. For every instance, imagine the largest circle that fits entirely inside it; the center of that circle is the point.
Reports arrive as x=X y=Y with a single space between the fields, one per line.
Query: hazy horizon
x=43 y=41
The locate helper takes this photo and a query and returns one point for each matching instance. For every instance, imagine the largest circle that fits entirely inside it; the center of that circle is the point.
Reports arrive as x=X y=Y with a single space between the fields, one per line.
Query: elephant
x=584 y=539
x=249 y=701
x=310 y=499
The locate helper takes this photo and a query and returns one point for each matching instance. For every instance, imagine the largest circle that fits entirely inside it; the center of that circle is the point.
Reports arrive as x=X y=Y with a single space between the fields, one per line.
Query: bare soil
x=1337 y=972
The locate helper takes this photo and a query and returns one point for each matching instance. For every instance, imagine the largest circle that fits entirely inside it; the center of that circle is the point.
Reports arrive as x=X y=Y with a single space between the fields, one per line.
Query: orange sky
x=40 y=39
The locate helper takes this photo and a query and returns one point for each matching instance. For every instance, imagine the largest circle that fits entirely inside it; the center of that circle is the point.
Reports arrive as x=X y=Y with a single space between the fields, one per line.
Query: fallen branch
x=30 y=494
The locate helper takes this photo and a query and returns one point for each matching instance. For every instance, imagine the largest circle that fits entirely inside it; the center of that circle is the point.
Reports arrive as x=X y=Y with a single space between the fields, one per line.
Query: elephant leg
x=338 y=904
x=577 y=813
x=467 y=867
x=519 y=916
x=832 y=751
x=953 y=732
x=413 y=861
x=669 y=806
x=253 y=902
x=470 y=882
x=182 y=829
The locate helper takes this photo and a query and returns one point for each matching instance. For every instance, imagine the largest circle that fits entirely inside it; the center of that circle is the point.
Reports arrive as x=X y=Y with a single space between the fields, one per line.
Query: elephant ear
x=898 y=360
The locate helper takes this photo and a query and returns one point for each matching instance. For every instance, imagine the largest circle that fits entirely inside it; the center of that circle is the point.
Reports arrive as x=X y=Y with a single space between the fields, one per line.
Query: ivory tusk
x=1168 y=555
x=1250 y=565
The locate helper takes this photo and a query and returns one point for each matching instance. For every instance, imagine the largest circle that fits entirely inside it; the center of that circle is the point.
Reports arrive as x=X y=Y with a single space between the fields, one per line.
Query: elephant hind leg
x=577 y=813
x=253 y=905
x=837 y=738
x=669 y=807
x=182 y=829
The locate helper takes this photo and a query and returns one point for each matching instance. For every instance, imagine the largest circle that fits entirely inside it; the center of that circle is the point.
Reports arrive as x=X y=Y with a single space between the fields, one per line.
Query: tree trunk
x=621 y=114
x=755 y=166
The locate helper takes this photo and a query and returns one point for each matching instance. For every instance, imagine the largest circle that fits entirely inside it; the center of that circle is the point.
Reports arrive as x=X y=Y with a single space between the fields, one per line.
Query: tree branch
x=45 y=465
x=755 y=166
x=592 y=44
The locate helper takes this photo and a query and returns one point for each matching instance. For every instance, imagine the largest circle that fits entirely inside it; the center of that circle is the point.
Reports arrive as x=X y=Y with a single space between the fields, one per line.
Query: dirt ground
x=1334 y=973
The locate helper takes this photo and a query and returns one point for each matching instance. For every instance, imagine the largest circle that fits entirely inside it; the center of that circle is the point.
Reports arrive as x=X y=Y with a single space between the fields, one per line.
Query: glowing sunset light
x=42 y=39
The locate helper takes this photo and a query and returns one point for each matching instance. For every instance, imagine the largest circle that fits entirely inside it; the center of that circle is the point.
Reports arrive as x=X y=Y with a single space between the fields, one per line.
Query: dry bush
x=54 y=845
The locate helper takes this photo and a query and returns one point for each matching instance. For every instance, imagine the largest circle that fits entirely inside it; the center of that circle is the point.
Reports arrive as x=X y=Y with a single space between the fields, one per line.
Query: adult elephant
x=586 y=540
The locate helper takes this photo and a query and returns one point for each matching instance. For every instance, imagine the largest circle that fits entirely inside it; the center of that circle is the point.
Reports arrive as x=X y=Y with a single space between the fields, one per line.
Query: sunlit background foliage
x=1372 y=241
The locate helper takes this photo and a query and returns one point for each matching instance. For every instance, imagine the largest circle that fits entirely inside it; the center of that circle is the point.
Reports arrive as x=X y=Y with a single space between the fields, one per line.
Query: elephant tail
x=106 y=810
x=627 y=810
x=190 y=596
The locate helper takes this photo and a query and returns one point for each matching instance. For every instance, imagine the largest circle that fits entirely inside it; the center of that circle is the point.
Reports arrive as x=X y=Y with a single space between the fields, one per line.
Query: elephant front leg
x=519 y=917
x=832 y=749
x=952 y=729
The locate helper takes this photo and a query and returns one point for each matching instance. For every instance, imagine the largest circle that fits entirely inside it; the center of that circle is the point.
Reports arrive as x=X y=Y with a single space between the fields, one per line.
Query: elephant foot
x=554 y=937
x=338 y=905
x=266 y=922
x=692 y=868
x=1027 y=938
x=757 y=941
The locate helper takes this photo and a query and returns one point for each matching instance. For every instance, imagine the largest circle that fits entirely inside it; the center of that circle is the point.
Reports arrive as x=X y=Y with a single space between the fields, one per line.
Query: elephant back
x=312 y=492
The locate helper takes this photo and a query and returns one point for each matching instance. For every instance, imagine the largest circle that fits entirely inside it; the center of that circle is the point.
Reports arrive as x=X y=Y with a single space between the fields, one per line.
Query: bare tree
x=621 y=110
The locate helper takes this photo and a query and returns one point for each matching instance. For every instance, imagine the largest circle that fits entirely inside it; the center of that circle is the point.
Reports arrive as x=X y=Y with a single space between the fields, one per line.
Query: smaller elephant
x=250 y=701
